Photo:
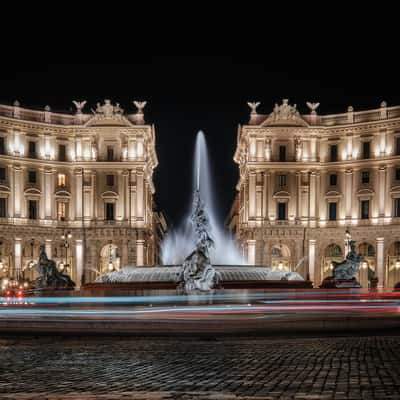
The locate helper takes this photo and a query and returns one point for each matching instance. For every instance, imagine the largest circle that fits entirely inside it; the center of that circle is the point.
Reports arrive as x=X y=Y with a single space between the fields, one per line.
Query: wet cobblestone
x=123 y=368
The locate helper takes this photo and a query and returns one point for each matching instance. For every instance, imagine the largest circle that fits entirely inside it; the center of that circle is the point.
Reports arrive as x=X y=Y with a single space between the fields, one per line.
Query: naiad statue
x=49 y=275
x=348 y=268
x=197 y=273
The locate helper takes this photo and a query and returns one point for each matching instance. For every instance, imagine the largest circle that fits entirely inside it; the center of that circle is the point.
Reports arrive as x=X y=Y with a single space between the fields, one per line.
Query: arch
x=366 y=249
x=365 y=192
x=5 y=257
x=63 y=194
x=393 y=263
x=282 y=195
x=333 y=194
x=281 y=257
x=5 y=189
x=109 y=258
x=109 y=194
x=32 y=192
x=333 y=250
x=332 y=253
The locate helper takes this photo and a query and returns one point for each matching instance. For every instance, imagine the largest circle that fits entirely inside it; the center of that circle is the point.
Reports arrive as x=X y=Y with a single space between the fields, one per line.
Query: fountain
x=199 y=255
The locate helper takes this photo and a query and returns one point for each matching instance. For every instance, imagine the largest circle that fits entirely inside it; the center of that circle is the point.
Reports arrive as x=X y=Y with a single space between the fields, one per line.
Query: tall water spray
x=181 y=241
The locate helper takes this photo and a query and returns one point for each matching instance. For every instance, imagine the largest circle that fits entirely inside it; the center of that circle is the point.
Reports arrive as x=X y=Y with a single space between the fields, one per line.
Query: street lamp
x=65 y=236
x=397 y=264
x=110 y=261
x=364 y=265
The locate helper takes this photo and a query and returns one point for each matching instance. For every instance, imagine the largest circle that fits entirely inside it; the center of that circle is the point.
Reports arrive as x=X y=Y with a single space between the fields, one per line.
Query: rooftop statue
x=49 y=275
x=313 y=107
x=79 y=105
x=253 y=106
x=107 y=110
x=140 y=106
x=285 y=114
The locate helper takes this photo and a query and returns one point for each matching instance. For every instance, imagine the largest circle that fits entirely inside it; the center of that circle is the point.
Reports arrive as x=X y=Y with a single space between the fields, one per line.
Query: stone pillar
x=79 y=261
x=18 y=191
x=380 y=261
x=124 y=253
x=252 y=196
x=265 y=195
x=251 y=252
x=298 y=195
x=140 y=197
x=348 y=193
x=17 y=257
x=48 y=192
x=78 y=193
x=140 y=252
x=120 y=212
x=126 y=194
x=268 y=150
x=271 y=200
x=48 y=248
x=313 y=187
x=311 y=259
x=382 y=190
x=313 y=148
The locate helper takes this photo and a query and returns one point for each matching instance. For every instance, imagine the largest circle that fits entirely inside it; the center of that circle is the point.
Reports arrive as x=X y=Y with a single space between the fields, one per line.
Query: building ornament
x=285 y=114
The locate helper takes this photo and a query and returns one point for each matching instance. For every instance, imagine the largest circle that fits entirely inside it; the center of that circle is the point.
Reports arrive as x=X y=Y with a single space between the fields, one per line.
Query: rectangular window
x=282 y=153
x=110 y=211
x=32 y=176
x=32 y=149
x=364 y=209
x=2 y=174
x=333 y=180
x=110 y=153
x=61 y=211
x=61 y=180
x=398 y=146
x=2 y=145
x=365 y=177
x=62 y=152
x=32 y=209
x=110 y=180
x=281 y=211
x=397 y=174
x=334 y=152
x=282 y=180
x=397 y=207
x=366 y=150
x=3 y=207
x=332 y=211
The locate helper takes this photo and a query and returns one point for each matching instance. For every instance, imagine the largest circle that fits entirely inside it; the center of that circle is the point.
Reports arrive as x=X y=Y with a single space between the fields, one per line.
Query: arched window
x=333 y=250
x=366 y=250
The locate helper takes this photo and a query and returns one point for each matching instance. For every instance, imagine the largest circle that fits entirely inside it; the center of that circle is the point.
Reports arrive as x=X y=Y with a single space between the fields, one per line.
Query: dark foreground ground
x=362 y=367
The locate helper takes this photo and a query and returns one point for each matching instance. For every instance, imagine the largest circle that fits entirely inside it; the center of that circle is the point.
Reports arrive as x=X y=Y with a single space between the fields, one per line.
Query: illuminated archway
x=110 y=259
x=333 y=253
x=280 y=257
x=393 y=264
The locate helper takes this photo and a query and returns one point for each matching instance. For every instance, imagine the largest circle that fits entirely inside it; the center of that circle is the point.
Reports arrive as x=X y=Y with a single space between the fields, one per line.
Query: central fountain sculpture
x=197 y=273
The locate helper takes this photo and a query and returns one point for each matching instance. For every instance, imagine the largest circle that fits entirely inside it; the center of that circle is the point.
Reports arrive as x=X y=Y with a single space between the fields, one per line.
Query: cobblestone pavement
x=128 y=368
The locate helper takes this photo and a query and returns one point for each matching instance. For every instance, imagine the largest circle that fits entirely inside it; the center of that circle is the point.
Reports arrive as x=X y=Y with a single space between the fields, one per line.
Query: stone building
x=82 y=184
x=305 y=179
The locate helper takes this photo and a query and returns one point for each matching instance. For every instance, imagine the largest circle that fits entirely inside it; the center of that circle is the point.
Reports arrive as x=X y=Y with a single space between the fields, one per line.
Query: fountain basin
x=231 y=277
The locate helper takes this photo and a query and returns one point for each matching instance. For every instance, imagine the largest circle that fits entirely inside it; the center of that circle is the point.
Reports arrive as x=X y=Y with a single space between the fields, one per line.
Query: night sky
x=186 y=94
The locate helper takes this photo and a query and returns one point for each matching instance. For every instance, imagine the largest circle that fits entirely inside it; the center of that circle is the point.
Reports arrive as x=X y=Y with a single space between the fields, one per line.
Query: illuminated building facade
x=305 y=179
x=82 y=184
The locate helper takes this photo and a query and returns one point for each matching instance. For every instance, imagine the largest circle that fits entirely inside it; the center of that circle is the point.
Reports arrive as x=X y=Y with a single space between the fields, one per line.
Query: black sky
x=186 y=94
